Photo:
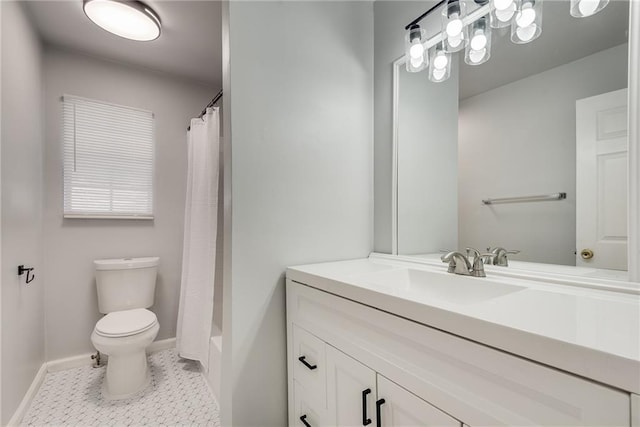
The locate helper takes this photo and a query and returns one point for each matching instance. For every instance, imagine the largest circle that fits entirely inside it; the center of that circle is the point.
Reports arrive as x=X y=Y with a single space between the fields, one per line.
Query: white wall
x=22 y=320
x=72 y=244
x=428 y=159
x=301 y=126
x=519 y=139
x=390 y=18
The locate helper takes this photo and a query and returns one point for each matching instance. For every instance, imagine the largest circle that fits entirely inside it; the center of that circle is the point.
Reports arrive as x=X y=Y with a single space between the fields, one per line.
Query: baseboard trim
x=157 y=346
x=21 y=411
x=69 y=362
x=64 y=364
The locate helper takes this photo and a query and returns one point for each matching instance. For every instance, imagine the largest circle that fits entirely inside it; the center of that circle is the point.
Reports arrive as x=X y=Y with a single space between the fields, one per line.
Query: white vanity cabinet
x=425 y=376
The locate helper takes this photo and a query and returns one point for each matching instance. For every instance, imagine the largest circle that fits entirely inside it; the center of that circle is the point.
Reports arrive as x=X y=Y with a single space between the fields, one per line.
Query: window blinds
x=108 y=160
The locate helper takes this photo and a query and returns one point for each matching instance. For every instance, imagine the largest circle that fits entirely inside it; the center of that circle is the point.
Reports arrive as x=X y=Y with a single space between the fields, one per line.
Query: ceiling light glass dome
x=132 y=20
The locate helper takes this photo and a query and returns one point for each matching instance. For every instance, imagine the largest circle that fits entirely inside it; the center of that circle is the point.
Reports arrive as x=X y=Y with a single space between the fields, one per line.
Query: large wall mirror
x=544 y=121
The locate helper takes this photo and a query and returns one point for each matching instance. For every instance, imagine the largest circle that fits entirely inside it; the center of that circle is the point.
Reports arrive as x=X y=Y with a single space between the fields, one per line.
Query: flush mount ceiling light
x=130 y=19
x=470 y=29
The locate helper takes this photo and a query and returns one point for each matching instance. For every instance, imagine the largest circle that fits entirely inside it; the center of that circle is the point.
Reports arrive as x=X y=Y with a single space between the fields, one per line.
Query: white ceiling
x=564 y=39
x=190 y=45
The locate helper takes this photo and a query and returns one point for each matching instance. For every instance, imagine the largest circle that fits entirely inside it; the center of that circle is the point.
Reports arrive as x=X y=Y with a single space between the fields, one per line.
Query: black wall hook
x=29 y=270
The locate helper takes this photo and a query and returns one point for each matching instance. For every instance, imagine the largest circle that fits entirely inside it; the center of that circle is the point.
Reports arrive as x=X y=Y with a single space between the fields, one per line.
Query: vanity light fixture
x=478 y=50
x=415 y=51
x=130 y=19
x=471 y=30
x=527 y=22
x=454 y=32
x=440 y=64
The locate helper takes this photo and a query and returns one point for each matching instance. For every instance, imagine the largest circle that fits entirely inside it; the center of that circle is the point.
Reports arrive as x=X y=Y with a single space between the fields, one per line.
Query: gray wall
x=519 y=139
x=72 y=244
x=390 y=19
x=301 y=126
x=21 y=151
x=428 y=155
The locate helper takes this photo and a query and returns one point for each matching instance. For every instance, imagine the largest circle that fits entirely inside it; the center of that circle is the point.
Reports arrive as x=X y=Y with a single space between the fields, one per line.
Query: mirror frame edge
x=633 y=209
x=633 y=219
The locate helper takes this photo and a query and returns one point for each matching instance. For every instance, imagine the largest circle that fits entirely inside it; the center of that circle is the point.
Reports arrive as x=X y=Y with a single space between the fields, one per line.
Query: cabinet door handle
x=305 y=363
x=304 y=421
x=365 y=420
x=379 y=403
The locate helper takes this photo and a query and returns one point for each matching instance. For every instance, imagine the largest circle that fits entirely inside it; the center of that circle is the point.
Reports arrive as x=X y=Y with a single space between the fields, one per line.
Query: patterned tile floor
x=177 y=395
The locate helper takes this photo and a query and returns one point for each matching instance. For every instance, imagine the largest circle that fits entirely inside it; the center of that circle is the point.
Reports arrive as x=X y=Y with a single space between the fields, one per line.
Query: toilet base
x=108 y=396
x=127 y=371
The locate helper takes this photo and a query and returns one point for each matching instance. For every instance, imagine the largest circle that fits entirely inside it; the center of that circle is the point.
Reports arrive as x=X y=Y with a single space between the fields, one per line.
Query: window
x=108 y=160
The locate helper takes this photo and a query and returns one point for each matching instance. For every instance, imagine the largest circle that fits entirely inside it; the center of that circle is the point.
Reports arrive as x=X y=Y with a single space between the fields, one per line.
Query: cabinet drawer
x=309 y=365
x=305 y=410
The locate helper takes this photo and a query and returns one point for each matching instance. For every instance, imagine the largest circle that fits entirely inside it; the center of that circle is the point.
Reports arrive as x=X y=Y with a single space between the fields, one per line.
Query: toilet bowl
x=124 y=336
x=125 y=291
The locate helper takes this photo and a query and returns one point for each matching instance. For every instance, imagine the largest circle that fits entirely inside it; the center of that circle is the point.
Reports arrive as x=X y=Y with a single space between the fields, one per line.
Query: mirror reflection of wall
x=516 y=136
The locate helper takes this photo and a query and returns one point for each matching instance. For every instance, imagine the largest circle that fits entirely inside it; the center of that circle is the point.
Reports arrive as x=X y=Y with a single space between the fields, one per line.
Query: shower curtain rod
x=210 y=104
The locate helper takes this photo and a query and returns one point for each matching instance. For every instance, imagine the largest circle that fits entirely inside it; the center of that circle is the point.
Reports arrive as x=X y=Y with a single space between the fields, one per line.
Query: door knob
x=586 y=254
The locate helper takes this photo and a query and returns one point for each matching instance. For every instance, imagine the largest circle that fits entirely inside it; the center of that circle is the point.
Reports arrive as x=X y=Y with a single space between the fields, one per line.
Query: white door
x=601 y=181
x=351 y=391
x=635 y=410
x=401 y=408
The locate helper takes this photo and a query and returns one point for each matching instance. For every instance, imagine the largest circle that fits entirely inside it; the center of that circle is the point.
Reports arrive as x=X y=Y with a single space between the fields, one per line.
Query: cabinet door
x=351 y=390
x=403 y=408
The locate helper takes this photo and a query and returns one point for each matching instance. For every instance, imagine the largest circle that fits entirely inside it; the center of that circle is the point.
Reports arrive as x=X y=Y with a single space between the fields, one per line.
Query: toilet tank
x=125 y=283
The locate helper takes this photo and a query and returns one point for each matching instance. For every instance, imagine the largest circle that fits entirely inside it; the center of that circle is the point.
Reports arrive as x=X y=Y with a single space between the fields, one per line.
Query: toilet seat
x=126 y=323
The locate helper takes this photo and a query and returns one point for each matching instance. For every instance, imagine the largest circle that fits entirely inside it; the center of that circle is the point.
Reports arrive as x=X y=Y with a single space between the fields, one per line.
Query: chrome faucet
x=498 y=256
x=460 y=263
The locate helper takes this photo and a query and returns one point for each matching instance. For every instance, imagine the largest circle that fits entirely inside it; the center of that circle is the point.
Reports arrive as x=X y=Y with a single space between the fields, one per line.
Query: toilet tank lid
x=126 y=263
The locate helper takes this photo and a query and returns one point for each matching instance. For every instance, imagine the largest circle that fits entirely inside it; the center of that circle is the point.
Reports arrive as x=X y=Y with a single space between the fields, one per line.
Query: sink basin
x=446 y=287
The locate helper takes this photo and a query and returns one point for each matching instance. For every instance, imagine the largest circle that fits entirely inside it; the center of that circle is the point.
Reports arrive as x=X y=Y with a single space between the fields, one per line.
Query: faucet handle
x=487 y=257
x=513 y=252
x=478 y=266
x=475 y=252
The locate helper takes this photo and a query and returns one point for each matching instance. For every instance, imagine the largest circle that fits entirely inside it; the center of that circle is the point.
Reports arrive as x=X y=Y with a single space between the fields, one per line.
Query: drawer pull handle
x=379 y=403
x=304 y=421
x=365 y=420
x=305 y=363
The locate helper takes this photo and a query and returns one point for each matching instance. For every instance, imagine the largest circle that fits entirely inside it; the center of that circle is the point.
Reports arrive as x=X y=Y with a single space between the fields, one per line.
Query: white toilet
x=126 y=289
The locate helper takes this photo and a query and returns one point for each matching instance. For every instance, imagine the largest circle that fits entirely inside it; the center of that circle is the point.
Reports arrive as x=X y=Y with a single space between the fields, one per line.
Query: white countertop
x=590 y=332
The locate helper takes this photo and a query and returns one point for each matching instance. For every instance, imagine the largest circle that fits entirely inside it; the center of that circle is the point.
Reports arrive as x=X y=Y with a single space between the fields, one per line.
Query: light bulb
x=454 y=27
x=479 y=41
x=438 y=74
x=502 y=4
x=440 y=62
x=417 y=62
x=526 y=33
x=416 y=50
x=588 y=7
x=455 y=41
x=475 y=56
x=504 y=15
x=526 y=16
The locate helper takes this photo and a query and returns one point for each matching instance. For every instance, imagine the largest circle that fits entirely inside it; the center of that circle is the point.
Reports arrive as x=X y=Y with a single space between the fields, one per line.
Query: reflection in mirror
x=538 y=119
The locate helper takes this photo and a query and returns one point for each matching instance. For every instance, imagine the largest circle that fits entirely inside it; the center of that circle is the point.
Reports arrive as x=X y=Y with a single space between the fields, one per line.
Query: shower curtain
x=195 y=312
